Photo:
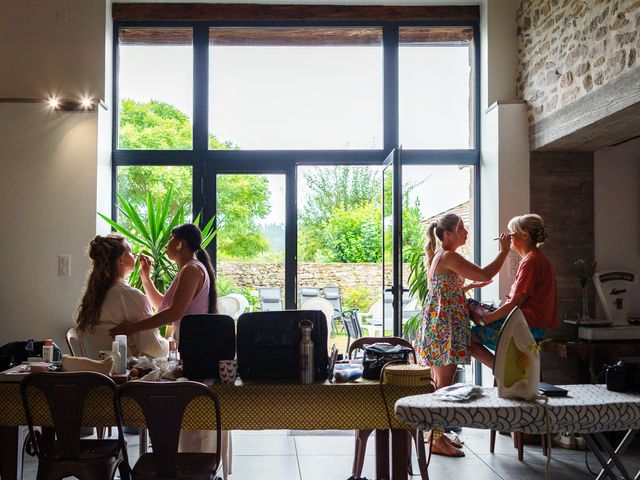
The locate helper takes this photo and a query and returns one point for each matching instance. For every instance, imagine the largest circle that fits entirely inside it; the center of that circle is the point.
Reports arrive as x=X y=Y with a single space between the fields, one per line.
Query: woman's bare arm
x=517 y=300
x=187 y=284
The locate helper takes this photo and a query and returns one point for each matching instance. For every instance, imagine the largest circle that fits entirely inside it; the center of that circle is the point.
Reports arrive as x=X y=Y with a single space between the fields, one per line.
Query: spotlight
x=86 y=102
x=53 y=103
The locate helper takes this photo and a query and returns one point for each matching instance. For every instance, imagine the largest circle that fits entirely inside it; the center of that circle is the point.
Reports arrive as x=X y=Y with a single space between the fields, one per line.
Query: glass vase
x=585 y=305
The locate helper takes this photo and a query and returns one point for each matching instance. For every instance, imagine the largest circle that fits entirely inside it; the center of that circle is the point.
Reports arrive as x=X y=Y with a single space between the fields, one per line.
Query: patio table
x=358 y=405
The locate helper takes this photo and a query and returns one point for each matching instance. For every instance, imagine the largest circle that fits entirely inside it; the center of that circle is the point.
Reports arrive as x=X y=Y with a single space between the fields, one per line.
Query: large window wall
x=238 y=117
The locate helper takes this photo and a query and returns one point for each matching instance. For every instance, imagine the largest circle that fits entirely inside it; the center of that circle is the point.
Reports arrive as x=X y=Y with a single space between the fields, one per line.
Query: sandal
x=442 y=447
x=454 y=441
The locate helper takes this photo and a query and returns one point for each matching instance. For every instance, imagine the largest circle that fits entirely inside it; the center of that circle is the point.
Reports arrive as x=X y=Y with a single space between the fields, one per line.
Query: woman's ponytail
x=430 y=245
x=203 y=256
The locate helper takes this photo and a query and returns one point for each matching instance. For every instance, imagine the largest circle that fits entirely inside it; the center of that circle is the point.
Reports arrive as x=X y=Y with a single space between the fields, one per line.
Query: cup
x=228 y=370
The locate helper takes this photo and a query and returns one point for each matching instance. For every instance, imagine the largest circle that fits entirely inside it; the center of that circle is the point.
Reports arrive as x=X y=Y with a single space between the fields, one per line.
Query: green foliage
x=225 y=285
x=342 y=218
x=359 y=298
x=418 y=286
x=242 y=199
x=149 y=235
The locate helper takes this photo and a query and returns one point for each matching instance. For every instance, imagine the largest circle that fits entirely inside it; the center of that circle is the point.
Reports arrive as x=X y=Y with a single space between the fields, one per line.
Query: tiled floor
x=283 y=455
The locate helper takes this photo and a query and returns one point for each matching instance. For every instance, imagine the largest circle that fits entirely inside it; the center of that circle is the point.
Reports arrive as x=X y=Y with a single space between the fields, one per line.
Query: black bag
x=379 y=354
x=14 y=353
x=269 y=343
x=206 y=339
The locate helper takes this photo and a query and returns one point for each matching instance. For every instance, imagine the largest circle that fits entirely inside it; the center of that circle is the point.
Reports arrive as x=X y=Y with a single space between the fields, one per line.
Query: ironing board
x=589 y=410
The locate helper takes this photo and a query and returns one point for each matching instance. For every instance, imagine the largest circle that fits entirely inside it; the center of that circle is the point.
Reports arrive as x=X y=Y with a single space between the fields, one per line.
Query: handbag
x=379 y=354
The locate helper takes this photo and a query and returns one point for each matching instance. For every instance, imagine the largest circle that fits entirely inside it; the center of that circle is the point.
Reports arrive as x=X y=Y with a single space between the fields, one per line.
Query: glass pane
x=135 y=182
x=155 y=89
x=436 y=88
x=340 y=244
x=295 y=88
x=251 y=238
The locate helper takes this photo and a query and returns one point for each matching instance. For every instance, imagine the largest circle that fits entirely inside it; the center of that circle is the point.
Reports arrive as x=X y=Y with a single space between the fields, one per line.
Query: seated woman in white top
x=109 y=301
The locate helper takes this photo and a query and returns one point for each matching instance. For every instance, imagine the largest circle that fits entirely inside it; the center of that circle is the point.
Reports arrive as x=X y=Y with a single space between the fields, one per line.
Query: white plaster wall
x=48 y=194
x=52 y=46
x=617 y=211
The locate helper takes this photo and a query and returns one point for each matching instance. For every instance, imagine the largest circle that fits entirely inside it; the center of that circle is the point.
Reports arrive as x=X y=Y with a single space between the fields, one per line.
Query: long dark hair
x=192 y=236
x=104 y=252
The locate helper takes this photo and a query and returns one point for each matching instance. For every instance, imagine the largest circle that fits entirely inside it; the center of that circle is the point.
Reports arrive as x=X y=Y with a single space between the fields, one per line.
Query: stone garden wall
x=344 y=275
x=568 y=48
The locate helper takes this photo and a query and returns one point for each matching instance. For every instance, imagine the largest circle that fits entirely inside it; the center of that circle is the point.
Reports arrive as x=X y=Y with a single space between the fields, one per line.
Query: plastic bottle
x=306 y=352
x=115 y=354
x=173 y=350
x=47 y=351
x=122 y=344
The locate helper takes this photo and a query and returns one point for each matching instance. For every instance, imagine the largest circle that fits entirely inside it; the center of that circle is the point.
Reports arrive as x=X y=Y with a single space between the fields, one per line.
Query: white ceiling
x=319 y=2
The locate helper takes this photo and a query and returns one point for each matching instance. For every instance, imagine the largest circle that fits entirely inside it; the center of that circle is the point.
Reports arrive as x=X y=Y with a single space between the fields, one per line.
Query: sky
x=318 y=97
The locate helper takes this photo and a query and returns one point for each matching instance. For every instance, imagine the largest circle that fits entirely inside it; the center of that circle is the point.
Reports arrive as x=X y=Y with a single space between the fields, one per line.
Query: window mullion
x=200 y=88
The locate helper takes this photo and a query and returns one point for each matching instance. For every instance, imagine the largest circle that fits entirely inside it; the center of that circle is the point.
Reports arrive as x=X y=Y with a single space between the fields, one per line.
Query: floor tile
x=322 y=445
x=273 y=445
x=265 y=468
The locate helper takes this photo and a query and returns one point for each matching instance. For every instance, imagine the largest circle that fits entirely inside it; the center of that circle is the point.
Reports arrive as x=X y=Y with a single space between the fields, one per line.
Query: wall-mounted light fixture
x=79 y=104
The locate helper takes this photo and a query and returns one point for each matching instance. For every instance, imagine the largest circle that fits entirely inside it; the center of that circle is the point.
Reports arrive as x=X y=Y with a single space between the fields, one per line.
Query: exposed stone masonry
x=568 y=48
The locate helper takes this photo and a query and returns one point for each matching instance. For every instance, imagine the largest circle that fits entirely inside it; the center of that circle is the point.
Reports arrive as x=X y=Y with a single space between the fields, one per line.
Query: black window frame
x=214 y=162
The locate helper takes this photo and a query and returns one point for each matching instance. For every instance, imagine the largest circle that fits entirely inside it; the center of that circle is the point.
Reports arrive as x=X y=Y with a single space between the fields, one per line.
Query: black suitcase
x=269 y=342
x=206 y=339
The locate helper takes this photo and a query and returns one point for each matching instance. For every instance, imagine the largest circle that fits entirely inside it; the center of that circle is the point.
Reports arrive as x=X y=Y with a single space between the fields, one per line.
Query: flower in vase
x=586 y=269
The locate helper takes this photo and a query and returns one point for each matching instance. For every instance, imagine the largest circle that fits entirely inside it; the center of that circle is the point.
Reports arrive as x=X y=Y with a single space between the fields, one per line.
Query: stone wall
x=344 y=275
x=568 y=48
x=562 y=192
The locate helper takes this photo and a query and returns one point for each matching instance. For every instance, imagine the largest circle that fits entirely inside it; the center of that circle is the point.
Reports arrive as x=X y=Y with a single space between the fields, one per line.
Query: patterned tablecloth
x=586 y=409
x=255 y=406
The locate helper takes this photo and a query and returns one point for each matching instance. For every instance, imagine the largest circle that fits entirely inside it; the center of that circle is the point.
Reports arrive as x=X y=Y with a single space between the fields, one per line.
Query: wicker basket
x=407 y=375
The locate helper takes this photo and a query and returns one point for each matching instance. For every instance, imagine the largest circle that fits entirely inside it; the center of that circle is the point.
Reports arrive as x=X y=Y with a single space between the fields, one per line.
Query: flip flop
x=436 y=449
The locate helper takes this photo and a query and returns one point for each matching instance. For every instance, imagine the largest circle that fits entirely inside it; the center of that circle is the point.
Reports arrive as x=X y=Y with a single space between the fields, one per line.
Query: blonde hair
x=531 y=224
x=446 y=223
x=104 y=251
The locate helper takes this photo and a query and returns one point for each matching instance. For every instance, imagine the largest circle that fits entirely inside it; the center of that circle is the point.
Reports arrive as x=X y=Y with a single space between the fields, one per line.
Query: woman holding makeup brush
x=444 y=334
x=534 y=290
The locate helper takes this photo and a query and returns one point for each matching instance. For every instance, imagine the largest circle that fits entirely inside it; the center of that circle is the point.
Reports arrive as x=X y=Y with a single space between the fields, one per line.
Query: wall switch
x=64 y=265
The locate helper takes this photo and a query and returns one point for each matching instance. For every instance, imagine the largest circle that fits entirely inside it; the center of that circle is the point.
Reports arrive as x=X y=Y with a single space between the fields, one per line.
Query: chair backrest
x=270 y=299
x=242 y=300
x=362 y=341
x=332 y=294
x=163 y=405
x=307 y=293
x=320 y=304
x=351 y=323
x=74 y=342
x=228 y=305
x=65 y=395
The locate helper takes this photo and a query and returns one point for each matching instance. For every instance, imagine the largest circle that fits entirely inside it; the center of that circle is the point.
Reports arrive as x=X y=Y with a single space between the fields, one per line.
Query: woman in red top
x=534 y=290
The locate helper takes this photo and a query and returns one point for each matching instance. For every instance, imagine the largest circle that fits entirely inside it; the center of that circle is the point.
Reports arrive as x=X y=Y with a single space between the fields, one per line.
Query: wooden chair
x=163 y=406
x=74 y=342
x=65 y=395
x=362 y=436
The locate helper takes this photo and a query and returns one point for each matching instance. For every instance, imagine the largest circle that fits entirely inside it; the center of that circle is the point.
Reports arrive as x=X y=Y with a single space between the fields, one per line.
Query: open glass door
x=392 y=243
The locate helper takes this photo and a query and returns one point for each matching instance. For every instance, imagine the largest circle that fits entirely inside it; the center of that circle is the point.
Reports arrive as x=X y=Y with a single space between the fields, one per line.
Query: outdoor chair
x=69 y=398
x=163 y=406
x=270 y=299
x=308 y=293
x=228 y=305
x=351 y=325
x=322 y=305
x=332 y=294
x=363 y=435
x=242 y=300
x=74 y=342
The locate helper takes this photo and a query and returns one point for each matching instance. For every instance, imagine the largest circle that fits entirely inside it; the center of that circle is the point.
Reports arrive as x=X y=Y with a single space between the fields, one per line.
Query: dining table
x=256 y=405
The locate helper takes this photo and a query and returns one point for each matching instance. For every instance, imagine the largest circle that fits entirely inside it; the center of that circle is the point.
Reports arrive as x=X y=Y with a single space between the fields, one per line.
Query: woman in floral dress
x=444 y=335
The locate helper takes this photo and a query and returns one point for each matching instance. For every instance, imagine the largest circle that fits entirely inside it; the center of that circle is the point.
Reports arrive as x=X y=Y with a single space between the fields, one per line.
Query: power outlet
x=64 y=265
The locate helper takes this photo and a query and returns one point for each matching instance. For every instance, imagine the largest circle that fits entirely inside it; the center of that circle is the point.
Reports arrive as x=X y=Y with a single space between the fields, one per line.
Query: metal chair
x=332 y=294
x=163 y=406
x=270 y=299
x=363 y=435
x=351 y=325
x=68 y=398
x=74 y=342
x=307 y=293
